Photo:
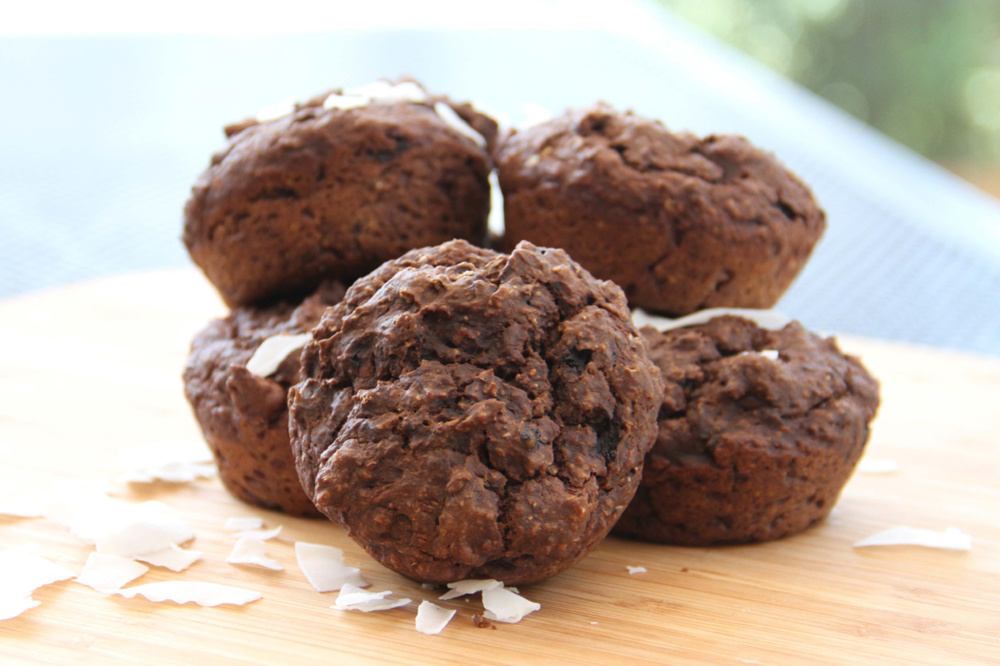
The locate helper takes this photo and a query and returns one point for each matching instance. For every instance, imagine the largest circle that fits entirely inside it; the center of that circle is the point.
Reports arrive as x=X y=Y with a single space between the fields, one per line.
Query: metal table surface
x=101 y=138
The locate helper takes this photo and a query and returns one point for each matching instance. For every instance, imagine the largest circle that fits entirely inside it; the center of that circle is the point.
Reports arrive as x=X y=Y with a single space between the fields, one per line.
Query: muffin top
x=220 y=388
x=759 y=430
x=472 y=414
x=334 y=188
x=681 y=223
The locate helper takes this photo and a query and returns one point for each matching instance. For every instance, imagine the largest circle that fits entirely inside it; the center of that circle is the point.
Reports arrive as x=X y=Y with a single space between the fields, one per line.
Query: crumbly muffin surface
x=467 y=414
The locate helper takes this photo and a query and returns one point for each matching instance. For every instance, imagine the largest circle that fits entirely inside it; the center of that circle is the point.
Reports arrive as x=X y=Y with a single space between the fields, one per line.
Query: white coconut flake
x=21 y=573
x=770 y=354
x=534 y=114
x=371 y=90
x=184 y=592
x=835 y=517
x=635 y=570
x=878 y=466
x=22 y=507
x=352 y=597
x=276 y=110
x=238 y=524
x=502 y=117
x=173 y=462
x=502 y=605
x=109 y=573
x=11 y=608
x=345 y=102
x=376 y=91
x=950 y=539
x=251 y=551
x=409 y=91
x=495 y=222
x=767 y=319
x=273 y=351
x=114 y=527
x=456 y=122
x=432 y=619
x=383 y=91
x=79 y=506
x=131 y=530
x=469 y=586
x=173 y=558
x=324 y=568
x=261 y=535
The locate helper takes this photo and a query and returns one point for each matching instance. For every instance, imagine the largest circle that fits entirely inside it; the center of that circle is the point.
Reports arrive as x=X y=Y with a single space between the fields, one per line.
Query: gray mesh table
x=101 y=138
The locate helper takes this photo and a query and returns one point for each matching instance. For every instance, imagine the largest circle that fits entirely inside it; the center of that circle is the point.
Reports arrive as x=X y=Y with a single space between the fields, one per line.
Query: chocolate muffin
x=680 y=223
x=339 y=185
x=243 y=415
x=468 y=414
x=759 y=430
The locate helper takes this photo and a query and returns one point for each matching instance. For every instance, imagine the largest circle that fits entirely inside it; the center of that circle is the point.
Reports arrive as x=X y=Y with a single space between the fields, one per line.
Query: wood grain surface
x=92 y=369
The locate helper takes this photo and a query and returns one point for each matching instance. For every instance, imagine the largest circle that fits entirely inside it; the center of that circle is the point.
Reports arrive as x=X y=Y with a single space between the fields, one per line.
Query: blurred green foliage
x=924 y=72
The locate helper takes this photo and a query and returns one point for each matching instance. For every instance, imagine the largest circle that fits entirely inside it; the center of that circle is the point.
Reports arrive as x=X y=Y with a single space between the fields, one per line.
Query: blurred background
x=109 y=110
x=926 y=74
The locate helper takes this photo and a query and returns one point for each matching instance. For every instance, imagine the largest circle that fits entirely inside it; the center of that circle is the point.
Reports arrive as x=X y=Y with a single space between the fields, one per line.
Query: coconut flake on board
x=352 y=597
x=469 y=586
x=109 y=573
x=878 y=466
x=11 y=608
x=635 y=570
x=147 y=531
x=251 y=551
x=76 y=504
x=275 y=349
x=21 y=573
x=22 y=507
x=239 y=524
x=324 y=568
x=174 y=558
x=767 y=319
x=183 y=592
x=950 y=539
x=432 y=619
x=141 y=529
x=173 y=462
x=502 y=605
x=262 y=534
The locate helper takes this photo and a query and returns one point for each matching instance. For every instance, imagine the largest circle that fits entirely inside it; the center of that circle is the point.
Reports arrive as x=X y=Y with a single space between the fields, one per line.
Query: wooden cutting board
x=89 y=370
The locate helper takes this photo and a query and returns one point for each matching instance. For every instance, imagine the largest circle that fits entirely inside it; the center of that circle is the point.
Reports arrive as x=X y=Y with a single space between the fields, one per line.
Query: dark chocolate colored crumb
x=333 y=193
x=467 y=414
x=681 y=223
x=749 y=448
x=243 y=417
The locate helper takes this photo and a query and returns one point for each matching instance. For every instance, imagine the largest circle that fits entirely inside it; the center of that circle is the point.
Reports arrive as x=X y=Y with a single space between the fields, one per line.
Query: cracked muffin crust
x=759 y=431
x=693 y=223
x=243 y=416
x=468 y=414
x=331 y=193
